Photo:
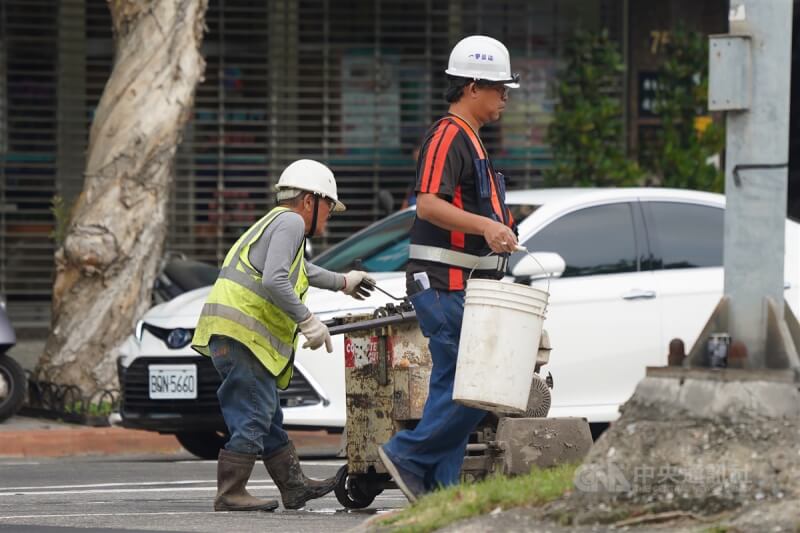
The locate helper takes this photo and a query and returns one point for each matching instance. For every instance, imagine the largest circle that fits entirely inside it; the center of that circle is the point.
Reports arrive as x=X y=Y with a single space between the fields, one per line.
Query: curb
x=84 y=441
x=69 y=441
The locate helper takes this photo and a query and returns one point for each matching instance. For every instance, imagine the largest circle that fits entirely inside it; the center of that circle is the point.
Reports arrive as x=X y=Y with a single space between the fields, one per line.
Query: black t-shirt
x=446 y=167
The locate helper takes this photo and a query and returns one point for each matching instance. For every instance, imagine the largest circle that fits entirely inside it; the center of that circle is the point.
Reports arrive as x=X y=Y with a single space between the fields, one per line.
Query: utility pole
x=750 y=74
x=750 y=69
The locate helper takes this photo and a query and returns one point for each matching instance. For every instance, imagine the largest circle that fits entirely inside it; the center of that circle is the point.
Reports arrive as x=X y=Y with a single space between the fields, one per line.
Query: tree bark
x=107 y=264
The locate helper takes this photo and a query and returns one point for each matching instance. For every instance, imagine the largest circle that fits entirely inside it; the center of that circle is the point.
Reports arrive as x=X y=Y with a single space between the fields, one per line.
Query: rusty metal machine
x=387 y=370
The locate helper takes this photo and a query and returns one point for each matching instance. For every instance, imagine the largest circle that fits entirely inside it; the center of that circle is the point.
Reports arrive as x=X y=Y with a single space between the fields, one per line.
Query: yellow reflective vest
x=240 y=308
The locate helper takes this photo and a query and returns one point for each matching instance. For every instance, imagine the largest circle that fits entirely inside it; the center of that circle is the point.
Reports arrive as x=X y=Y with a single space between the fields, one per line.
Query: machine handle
x=337 y=327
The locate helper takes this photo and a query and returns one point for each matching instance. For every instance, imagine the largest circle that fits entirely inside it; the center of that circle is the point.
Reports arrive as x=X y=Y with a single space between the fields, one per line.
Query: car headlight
x=179 y=337
x=139 y=331
x=2 y=303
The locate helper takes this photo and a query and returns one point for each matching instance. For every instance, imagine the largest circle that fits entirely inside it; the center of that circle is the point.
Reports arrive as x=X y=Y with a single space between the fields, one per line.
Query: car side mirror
x=539 y=265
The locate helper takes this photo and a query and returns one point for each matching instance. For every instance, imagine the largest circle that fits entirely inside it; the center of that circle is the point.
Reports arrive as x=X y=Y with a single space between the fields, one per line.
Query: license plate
x=171 y=382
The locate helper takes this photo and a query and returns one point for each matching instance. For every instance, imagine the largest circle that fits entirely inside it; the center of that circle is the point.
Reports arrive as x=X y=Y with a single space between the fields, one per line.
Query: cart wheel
x=349 y=493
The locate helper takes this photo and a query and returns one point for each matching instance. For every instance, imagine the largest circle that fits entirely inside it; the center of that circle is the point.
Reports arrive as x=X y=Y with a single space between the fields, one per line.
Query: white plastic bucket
x=499 y=341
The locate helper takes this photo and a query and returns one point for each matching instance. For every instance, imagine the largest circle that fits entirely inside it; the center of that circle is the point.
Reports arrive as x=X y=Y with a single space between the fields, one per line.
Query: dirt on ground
x=779 y=516
x=660 y=463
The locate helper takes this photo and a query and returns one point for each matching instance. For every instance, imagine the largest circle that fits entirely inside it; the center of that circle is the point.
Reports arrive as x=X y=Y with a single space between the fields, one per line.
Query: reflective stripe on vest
x=453 y=258
x=235 y=315
x=239 y=307
x=246 y=280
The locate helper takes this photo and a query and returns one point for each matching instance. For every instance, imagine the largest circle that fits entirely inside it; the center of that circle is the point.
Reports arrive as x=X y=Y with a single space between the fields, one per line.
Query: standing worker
x=461 y=218
x=249 y=327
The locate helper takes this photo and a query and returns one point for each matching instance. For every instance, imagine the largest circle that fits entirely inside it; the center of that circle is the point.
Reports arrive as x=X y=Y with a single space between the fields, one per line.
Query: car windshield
x=383 y=246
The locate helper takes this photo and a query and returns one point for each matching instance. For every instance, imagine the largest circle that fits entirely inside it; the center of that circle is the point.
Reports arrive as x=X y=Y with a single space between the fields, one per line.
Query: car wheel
x=597 y=429
x=12 y=387
x=203 y=444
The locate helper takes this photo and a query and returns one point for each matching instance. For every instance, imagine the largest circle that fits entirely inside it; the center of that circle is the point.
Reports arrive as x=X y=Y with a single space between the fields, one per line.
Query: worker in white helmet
x=461 y=218
x=249 y=327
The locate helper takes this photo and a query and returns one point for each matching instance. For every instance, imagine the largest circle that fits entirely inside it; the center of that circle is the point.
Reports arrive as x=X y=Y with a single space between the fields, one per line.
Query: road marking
x=164 y=513
x=332 y=462
x=118 y=491
x=130 y=484
x=29 y=463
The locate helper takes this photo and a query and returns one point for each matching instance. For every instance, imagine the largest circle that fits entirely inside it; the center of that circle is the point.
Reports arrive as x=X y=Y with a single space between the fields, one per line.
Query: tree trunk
x=107 y=264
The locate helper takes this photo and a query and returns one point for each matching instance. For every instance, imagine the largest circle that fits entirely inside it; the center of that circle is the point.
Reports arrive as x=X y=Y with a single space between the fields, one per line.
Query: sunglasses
x=331 y=205
x=500 y=87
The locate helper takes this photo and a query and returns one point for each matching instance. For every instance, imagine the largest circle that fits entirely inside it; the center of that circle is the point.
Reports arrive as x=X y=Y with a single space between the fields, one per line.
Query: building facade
x=353 y=83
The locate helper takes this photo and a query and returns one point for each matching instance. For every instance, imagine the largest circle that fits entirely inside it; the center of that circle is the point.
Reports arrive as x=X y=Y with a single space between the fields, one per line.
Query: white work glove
x=358 y=284
x=316 y=333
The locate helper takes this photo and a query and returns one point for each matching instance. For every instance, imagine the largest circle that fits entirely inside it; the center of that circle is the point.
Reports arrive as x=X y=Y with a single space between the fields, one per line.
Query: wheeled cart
x=387 y=370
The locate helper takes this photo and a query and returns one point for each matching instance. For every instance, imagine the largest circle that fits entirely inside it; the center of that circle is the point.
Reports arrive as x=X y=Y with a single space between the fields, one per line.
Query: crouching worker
x=249 y=327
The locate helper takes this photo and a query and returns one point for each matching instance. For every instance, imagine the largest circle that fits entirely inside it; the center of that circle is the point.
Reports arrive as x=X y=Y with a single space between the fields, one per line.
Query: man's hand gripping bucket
x=499 y=341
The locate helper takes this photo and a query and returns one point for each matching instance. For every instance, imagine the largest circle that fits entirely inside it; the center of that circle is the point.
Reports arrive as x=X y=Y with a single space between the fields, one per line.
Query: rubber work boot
x=233 y=471
x=296 y=489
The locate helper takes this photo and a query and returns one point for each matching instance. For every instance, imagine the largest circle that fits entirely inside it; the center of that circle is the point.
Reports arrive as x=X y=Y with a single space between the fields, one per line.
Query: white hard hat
x=312 y=176
x=479 y=57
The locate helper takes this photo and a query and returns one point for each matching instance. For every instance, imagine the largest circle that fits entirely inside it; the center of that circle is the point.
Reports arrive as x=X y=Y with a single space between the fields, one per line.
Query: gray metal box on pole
x=730 y=76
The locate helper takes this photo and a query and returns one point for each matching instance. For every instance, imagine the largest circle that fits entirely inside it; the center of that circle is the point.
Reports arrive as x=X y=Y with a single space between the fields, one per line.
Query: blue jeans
x=434 y=450
x=248 y=398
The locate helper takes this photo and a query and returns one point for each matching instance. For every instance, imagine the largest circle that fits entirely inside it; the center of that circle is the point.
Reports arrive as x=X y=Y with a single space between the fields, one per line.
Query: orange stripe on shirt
x=472 y=137
x=511 y=220
x=496 y=207
x=430 y=150
x=457 y=238
x=441 y=157
x=456 y=279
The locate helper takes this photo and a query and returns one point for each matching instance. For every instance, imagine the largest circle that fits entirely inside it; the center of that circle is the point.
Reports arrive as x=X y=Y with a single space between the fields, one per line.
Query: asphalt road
x=156 y=494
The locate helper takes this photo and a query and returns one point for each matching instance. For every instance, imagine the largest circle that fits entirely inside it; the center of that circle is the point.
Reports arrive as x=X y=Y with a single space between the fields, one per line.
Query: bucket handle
x=521 y=248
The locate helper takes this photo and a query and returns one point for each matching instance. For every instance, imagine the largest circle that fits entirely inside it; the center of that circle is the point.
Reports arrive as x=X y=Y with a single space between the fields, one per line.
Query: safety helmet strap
x=313 y=228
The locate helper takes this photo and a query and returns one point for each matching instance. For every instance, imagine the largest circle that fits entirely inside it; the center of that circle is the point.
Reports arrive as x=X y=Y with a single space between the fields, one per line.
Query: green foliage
x=446 y=506
x=682 y=96
x=62 y=212
x=586 y=134
x=103 y=408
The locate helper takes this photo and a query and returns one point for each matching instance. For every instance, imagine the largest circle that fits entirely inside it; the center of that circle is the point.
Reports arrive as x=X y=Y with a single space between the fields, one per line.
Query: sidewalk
x=31 y=437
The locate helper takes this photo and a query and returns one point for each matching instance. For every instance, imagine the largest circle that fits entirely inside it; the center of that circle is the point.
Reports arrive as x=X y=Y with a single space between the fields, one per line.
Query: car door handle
x=638 y=294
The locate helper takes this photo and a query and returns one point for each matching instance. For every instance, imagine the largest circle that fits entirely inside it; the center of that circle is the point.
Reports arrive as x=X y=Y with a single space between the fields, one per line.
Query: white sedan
x=643 y=266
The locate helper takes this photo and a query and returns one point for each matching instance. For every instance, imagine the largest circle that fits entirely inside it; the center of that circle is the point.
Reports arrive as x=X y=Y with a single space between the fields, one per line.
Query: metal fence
x=353 y=83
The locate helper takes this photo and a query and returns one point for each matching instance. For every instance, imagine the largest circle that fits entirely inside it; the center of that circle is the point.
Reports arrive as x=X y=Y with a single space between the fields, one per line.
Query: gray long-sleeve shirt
x=275 y=250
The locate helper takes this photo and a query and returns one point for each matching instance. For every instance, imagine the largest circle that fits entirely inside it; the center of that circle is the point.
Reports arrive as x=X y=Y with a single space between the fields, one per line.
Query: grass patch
x=92 y=409
x=444 y=507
